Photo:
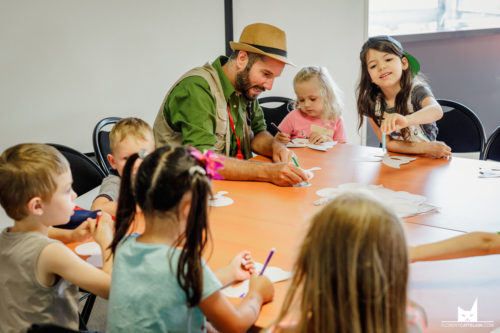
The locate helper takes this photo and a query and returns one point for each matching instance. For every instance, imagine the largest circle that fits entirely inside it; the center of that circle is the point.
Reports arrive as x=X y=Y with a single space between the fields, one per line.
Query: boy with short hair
x=39 y=276
x=128 y=136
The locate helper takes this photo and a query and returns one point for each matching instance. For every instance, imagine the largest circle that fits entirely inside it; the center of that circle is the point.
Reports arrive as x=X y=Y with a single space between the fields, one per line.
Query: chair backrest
x=100 y=140
x=86 y=173
x=277 y=108
x=460 y=128
x=492 y=150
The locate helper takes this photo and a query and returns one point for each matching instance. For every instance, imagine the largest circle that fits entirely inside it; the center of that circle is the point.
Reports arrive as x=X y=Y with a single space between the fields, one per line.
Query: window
x=403 y=17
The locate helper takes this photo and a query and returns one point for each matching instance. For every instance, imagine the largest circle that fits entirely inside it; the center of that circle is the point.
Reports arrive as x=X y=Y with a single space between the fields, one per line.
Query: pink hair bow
x=211 y=160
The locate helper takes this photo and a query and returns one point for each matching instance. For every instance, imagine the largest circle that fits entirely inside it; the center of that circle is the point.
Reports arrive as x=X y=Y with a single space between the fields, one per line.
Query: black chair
x=86 y=173
x=100 y=140
x=273 y=113
x=492 y=150
x=460 y=128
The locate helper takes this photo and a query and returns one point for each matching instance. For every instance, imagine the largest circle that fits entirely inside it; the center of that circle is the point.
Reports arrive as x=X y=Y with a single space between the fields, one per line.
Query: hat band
x=268 y=49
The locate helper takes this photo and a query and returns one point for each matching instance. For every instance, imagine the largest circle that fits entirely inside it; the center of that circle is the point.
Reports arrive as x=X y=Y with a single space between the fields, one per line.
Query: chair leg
x=87 y=309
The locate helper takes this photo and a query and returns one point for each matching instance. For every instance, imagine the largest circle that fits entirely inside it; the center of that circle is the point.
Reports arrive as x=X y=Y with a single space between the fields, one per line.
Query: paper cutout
x=396 y=161
x=309 y=173
x=88 y=249
x=390 y=161
x=219 y=200
x=489 y=172
x=275 y=274
x=303 y=142
x=93 y=250
x=404 y=204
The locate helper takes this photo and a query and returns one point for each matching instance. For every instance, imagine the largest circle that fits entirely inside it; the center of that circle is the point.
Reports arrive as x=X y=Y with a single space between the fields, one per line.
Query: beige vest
x=165 y=135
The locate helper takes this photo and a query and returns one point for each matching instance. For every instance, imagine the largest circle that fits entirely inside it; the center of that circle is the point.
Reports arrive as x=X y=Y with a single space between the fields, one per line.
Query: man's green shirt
x=190 y=109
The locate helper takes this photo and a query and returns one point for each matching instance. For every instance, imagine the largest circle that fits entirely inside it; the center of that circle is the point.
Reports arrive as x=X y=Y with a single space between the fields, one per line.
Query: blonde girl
x=351 y=273
x=160 y=281
x=319 y=109
x=397 y=101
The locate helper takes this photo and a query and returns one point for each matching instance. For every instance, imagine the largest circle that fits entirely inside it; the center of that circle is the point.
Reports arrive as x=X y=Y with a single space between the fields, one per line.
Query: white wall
x=66 y=64
x=319 y=32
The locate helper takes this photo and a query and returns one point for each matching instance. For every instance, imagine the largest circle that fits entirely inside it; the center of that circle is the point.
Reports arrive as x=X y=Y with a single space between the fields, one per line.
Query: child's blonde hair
x=329 y=91
x=352 y=270
x=26 y=171
x=131 y=126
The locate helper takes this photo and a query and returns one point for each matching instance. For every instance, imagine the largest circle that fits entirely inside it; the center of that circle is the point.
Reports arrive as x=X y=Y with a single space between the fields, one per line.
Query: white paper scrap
x=275 y=274
x=403 y=203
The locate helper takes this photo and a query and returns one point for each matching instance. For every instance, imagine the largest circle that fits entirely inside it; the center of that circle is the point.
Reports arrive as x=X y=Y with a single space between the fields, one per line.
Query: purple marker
x=263 y=267
x=267 y=261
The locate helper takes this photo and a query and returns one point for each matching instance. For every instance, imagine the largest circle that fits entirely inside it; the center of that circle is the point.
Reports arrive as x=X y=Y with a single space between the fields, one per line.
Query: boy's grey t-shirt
x=24 y=299
x=110 y=188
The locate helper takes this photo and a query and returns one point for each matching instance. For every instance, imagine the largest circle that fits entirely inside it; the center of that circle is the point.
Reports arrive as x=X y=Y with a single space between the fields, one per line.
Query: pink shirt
x=296 y=124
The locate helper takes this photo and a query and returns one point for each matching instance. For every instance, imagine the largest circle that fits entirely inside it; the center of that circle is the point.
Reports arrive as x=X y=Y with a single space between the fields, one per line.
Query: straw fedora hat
x=264 y=39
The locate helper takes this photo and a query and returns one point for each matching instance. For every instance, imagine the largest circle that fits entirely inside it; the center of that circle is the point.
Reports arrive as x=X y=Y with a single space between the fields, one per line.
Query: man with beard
x=215 y=107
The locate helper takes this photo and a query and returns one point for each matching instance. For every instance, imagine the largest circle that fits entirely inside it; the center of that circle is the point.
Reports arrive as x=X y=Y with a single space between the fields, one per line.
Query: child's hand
x=316 y=138
x=282 y=137
x=242 y=266
x=102 y=229
x=81 y=233
x=393 y=122
x=262 y=285
x=437 y=149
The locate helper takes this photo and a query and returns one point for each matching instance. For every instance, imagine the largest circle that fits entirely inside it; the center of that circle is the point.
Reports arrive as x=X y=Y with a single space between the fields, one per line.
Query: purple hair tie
x=210 y=160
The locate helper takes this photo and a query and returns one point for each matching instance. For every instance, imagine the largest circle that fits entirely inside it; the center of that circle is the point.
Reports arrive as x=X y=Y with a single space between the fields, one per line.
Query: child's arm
x=58 y=260
x=227 y=318
x=430 y=112
x=435 y=149
x=103 y=203
x=468 y=245
x=240 y=268
x=79 y=234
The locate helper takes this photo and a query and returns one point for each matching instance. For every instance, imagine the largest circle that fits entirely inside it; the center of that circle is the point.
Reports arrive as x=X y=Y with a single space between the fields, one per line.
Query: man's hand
x=286 y=174
x=282 y=155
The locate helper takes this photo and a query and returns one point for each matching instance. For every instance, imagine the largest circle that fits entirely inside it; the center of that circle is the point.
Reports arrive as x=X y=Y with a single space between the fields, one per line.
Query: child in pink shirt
x=318 y=113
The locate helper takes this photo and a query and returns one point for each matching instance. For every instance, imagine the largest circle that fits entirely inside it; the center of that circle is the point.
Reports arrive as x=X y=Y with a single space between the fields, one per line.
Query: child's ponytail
x=190 y=268
x=125 y=213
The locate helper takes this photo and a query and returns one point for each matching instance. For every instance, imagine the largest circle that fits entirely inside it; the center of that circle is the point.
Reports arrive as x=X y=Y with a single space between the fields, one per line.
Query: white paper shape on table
x=396 y=161
x=93 y=250
x=489 y=172
x=303 y=142
x=309 y=173
x=275 y=274
x=219 y=200
x=403 y=203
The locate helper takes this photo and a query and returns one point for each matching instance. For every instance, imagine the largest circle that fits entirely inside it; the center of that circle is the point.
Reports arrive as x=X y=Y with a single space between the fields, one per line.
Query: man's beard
x=243 y=84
